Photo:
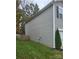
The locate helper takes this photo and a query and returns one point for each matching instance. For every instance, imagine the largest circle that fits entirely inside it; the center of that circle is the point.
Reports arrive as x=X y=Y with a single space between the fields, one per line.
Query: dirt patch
x=23 y=37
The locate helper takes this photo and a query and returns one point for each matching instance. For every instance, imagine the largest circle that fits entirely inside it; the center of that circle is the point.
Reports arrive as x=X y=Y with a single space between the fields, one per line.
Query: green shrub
x=57 y=40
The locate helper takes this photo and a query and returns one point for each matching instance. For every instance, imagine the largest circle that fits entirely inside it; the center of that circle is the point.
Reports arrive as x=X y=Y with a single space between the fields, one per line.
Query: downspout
x=54 y=13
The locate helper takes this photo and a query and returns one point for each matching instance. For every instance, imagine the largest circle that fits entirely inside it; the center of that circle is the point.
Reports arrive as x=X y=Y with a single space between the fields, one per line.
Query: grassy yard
x=33 y=50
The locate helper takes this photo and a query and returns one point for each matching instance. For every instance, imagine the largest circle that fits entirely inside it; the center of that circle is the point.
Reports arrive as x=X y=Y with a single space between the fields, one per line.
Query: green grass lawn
x=33 y=50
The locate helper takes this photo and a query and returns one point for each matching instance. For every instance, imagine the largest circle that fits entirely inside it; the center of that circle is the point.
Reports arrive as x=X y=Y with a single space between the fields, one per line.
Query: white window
x=59 y=12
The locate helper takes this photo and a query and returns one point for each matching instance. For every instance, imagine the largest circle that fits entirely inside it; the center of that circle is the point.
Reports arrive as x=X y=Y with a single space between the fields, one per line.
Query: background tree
x=24 y=15
x=18 y=15
x=29 y=9
x=17 y=4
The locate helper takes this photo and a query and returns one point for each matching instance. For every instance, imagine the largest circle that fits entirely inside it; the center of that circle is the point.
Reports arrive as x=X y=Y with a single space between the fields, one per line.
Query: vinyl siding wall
x=59 y=22
x=41 y=28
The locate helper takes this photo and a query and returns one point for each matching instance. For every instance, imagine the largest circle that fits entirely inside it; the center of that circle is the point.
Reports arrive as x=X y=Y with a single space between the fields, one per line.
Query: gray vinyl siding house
x=44 y=24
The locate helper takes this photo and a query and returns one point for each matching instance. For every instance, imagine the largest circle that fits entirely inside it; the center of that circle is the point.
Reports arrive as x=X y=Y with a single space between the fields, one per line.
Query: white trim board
x=54 y=25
